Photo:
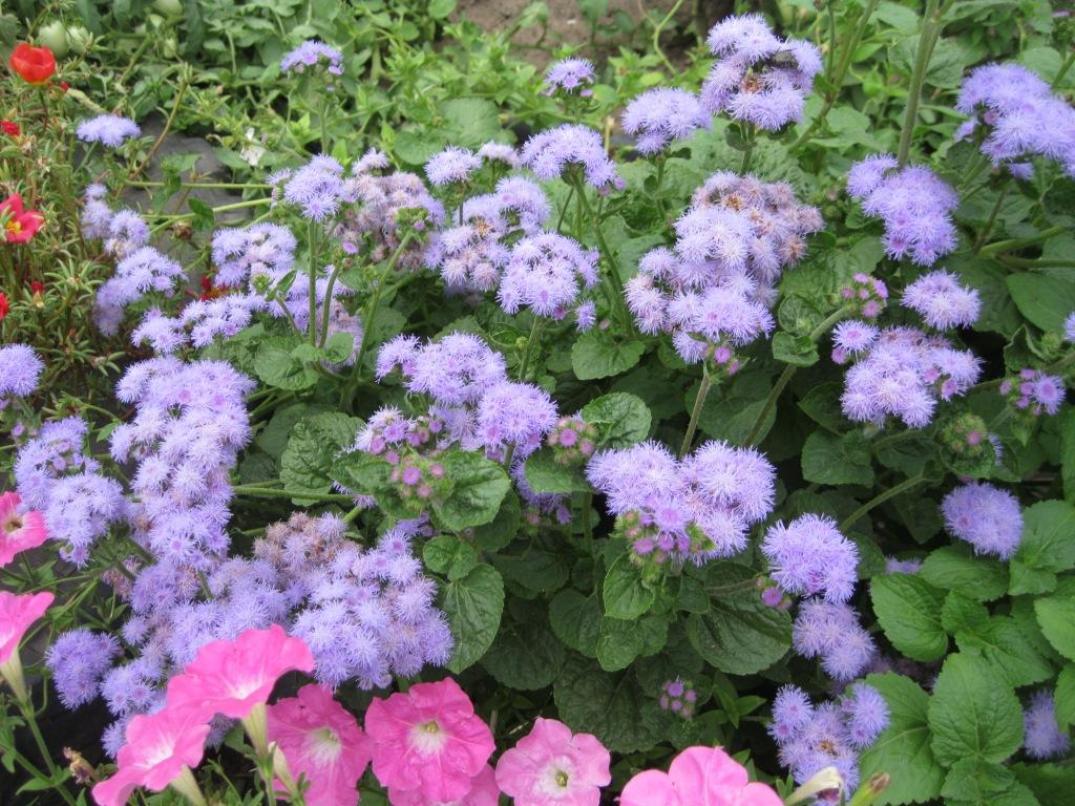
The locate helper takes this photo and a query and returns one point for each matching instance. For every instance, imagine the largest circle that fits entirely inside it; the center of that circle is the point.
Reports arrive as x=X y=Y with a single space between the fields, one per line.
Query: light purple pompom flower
x=546 y=273
x=107 y=130
x=942 y=302
x=894 y=565
x=1034 y=392
x=142 y=272
x=452 y=165
x=988 y=518
x=570 y=76
x=20 y=370
x=850 y=338
x=552 y=153
x=514 y=416
x=1069 y=327
x=311 y=53
x=317 y=188
x=809 y=556
x=832 y=632
x=660 y=116
x=866 y=712
x=78 y=660
x=1044 y=738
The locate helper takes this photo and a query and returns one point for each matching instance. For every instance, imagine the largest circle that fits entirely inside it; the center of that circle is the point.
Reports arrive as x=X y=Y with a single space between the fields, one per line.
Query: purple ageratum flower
x=1044 y=738
x=199 y=324
x=831 y=631
x=54 y=452
x=1069 y=327
x=942 y=301
x=78 y=660
x=499 y=153
x=96 y=214
x=914 y=204
x=312 y=53
x=81 y=509
x=659 y=116
x=570 y=76
x=452 y=165
x=522 y=203
x=904 y=374
x=142 y=272
x=811 y=557
x=866 y=294
x=709 y=324
x=850 y=338
x=549 y=154
x=263 y=249
x=132 y=687
x=1021 y=118
x=127 y=232
x=20 y=370
x=866 y=712
x=108 y=130
x=514 y=416
x=1034 y=392
x=894 y=565
x=456 y=370
x=758 y=78
x=470 y=257
x=546 y=273
x=679 y=697
x=317 y=188
x=988 y=518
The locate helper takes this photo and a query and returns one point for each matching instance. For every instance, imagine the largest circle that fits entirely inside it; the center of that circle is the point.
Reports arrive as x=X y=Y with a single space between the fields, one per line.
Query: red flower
x=64 y=86
x=10 y=128
x=5 y=306
x=35 y=65
x=37 y=287
x=20 y=224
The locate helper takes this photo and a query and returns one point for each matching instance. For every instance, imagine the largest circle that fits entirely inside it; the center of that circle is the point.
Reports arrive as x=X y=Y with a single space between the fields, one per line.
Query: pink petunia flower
x=428 y=740
x=19 y=531
x=159 y=751
x=550 y=765
x=17 y=613
x=699 y=776
x=483 y=792
x=321 y=739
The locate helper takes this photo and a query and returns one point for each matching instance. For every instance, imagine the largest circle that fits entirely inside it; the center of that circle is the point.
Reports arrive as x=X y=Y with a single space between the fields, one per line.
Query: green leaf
x=1067 y=451
x=307 y=461
x=1046 y=547
x=450 y=555
x=831 y=459
x=1052 y=784
x=955 y=568
x=526 y=655
x=903 y=750
x=440 y=9
x=599 y=354
x=1056 y=617
x=471 y=122
x=1043 y=299
x=576 y=620
x=498 y=533
x=973 y=713
x=909 y=611
x=473 y=606
x=625 y=594
x=731 y=409
x=535 y=569
x=800 y=351
x=739 y=634
x=1005 y=644
x=275 y=366
x=608 y=706
x=972 y=780
x=545 y=475
x=622 y=419
x=1064 y=697
x=478 y=487
x=822 y=405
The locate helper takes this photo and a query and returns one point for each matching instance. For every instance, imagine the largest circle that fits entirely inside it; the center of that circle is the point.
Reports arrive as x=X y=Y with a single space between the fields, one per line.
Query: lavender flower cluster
x=831 y=734
x=1018 y=117
x=110 y=131
x=661 y=116
x=914 y=204
x=1034 y=392
x=942 y=302
x=569 y=149
x=698 y=508
x=310 y=54
x=988 y=518
x=20 y=371
x=712 y=290
x=758 y=78
x=570 y=77
x=831 y=631
x=810 y=557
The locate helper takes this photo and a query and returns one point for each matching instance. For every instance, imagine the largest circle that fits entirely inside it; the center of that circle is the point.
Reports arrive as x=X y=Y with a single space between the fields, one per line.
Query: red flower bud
x=64 y=86
x=4 y=306
x=35 y=65
x=37 y=287
x=10 y=128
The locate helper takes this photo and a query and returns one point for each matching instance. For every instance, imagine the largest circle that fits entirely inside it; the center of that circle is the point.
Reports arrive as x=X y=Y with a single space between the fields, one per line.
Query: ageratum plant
x=628 y=435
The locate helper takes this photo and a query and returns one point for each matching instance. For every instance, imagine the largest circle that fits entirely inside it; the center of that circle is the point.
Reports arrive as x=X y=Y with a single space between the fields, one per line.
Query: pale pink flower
x=483 y=792
x=19 y=531
x=699 y=776
x=321 y=739
x=17 y=613
x=428 y=740
x=159 y=751
x=232 y=677
x=550 y=765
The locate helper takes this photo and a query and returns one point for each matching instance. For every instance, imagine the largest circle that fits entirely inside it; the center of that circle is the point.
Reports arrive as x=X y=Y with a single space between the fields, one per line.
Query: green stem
x=375 y=300
x=620 y=303
x=27 y=709
x=311 y=242
x=327 y=306
x=1063 y=71
x=931 y=26
x=1019 y=243
x=203 y=185
x=984 y=234
x=272 y=492
x=750 y=135
x=564 y=209
x=532 y=343
x=183 y=86
x=879 y=499
x=696 y=410
x=657 y=35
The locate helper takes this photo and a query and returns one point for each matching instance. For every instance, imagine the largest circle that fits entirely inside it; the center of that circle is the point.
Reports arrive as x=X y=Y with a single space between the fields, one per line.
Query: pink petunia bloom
x=699 y=776
x=550 y=765
x=19 y=531
x=428 y=740
x=231 y=677
x=483 y=792
x=320 y=738
x=17 y=613
x=159 y=751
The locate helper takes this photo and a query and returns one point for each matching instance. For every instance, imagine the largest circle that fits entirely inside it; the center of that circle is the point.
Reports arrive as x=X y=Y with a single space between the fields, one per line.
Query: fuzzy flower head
x=20 y=370
x=914 y=204
x=850 y=338
x=551 y=765
x=661 y=116
x=810 y=557
x=108 y=130
x=143 y=272
x=1069 y=327
x=321 y=740
x=312 y=53
x=568 y=148
x=758 y=78
x=78 y=660
x=1044 y=738
x=1034 y=392
x=516 y=416
x=942 y=302
x=570 y=77
x=452 y=166
x=1016 y=116
x=19 y=530
x=317 y=188
x=679 y=697
x=832 y=632
x=546 y=273
x=429 y=740
x=988 y=518
x=866 y=294
x=232 y=677
x=698 y=775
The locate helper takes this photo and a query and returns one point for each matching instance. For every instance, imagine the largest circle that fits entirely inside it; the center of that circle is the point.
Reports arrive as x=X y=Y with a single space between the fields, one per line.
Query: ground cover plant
x=387 y=418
